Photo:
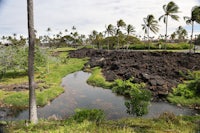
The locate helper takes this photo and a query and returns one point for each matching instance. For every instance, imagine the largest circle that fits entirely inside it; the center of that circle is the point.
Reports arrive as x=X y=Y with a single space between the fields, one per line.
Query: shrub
x=139 y=101
x=123 y=87
x=94 y=115
x=139 y=97
x=190 y=88
x=178 y=46
x=169 y=117
x=14 y=58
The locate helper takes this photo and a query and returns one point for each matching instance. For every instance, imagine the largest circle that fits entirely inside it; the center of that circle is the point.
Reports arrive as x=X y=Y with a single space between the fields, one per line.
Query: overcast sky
x=87 y=15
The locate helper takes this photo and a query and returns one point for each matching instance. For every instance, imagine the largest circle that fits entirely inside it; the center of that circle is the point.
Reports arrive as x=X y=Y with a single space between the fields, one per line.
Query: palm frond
x=175 y=17
x=161 y=17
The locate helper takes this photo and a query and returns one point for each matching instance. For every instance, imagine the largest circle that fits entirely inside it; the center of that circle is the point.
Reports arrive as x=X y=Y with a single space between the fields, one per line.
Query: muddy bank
x=159 y=70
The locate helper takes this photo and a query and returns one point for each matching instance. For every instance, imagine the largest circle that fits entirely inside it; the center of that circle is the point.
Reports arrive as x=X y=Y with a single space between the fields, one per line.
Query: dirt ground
x=159 y=70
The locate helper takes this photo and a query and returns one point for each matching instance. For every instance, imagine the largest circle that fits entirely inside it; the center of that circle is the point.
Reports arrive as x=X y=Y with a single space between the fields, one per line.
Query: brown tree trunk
x=32 y=98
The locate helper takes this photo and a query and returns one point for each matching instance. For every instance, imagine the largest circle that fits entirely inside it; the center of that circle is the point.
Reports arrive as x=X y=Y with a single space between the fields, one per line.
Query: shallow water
x=78 y=94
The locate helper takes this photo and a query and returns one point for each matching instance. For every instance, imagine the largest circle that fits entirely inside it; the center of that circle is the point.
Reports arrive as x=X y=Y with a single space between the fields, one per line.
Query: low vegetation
x=187 y=93
x=91 y=121
x=138 y=96
x=160 y=46
x=48 y=79
x=97 y=79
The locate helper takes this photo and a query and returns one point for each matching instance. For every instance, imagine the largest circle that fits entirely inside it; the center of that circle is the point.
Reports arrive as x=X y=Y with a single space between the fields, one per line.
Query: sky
x=88 y=15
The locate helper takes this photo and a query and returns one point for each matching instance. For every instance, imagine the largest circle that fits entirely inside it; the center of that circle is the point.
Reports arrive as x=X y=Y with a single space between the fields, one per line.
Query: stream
x=78 y=94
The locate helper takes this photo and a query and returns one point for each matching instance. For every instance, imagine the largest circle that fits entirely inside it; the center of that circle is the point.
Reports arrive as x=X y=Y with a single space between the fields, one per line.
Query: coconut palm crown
x=171 y=9
x=195 y=17
x=130 y=29
x=150 y=24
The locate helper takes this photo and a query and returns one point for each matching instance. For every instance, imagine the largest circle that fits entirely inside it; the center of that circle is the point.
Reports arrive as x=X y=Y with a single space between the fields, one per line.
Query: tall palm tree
x=93 y=36
x=120 y=24
x=171 y=9
x=150 y=24
x=109 y=31
x=32 y=98
x=195 y=17
x=99 y=38
x=130 y=29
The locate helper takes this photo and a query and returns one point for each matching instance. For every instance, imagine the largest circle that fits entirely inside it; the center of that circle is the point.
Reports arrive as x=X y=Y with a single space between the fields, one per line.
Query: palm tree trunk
x=191 y=36
x=32 y=98
x=117 y=42
x=108 y=42
x=148 y=39
x=166 y=31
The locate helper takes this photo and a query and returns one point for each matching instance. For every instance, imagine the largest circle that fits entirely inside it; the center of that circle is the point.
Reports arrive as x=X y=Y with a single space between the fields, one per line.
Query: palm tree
x=181 y=32
x=171 y=9
x=48 y=30
x=109 y=31
x=195 y=17
x=92 y=37
x=130 y=29
x=99 y=38
x=120 y=23
x=32 y=98
x=173 y=36
x=150 y=24
x=73 y=28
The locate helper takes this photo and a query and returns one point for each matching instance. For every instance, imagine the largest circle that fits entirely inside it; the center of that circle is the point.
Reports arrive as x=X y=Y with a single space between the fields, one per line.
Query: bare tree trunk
x=191 y=36
x=148 y=39
x=32 y=98
x=166 y=32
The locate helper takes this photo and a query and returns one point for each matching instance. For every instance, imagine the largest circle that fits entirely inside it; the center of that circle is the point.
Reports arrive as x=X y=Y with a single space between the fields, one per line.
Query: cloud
x=87 y=15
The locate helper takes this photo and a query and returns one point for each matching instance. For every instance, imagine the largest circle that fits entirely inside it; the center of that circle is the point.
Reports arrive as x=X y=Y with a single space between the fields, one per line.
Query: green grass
x=51 y=79
x=65 y=49
x=97 y=79
x=189 y=102
x=166 y=123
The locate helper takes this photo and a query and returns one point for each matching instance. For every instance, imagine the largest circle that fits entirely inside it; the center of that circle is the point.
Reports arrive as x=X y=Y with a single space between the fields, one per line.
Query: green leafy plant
x=95 y=115
x=187 y=93
x=139 y=97
x=139 y=101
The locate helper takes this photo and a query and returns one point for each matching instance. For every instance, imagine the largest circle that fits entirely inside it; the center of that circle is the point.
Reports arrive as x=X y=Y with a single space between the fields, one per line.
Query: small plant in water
x=139 y=97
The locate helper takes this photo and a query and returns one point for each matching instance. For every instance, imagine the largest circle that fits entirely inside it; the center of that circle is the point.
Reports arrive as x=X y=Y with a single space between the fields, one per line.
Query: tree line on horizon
x=114 y=33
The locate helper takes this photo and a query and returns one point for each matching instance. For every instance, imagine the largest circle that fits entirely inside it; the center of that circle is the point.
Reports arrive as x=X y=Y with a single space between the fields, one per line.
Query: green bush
x=15 y=59
x=139 y=97
x=123 y=87
x=94 y=115
x=187 y=93
x=178 y=46
x=183 y=90
x=139 y=101
x=191 y=88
